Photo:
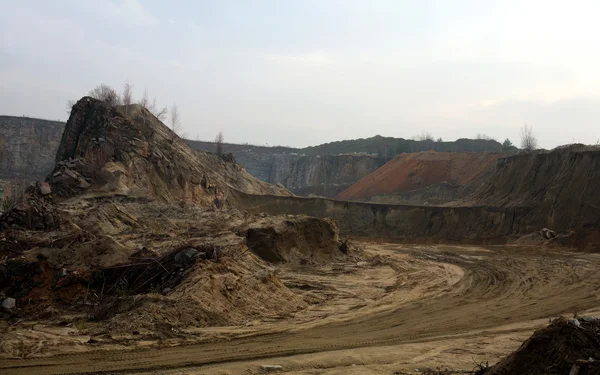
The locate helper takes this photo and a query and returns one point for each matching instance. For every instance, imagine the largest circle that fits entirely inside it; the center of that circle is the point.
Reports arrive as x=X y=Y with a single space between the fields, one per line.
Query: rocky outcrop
x=105 y=153
x=28 y=147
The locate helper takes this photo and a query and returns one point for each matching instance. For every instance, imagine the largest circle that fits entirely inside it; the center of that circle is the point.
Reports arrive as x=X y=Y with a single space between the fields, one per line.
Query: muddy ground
x=394 y=309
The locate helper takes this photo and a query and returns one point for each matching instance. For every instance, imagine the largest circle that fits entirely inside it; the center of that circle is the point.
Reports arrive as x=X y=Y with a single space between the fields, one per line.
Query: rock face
x=28 y=147
x=320 y=175
x=329 y=169
x=526 y=193
x=324 y=175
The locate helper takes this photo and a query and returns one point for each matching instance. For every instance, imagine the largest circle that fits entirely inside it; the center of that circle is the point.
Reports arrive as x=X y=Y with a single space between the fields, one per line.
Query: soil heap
x=133 y=232
x=409 y=172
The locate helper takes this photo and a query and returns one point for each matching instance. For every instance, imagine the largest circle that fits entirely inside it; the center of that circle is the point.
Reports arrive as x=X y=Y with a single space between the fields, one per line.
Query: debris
x=548 y=233
x=9 y=303
x=556 y=350
x=44 y=188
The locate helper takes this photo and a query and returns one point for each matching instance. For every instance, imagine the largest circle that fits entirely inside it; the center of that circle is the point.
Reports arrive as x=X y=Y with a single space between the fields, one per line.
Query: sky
x=305 y=72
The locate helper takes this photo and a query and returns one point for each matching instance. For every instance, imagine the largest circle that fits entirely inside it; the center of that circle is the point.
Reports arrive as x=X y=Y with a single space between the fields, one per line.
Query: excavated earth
x=398 y=309
x=139 y=255
x=433 y=177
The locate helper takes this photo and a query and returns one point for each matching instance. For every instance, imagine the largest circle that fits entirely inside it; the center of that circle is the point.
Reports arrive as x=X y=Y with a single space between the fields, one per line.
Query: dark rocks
x=186 y=257
x=229 y=157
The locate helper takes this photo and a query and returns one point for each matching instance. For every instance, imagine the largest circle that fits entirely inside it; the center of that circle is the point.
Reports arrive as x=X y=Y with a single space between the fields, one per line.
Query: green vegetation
x=507 y=146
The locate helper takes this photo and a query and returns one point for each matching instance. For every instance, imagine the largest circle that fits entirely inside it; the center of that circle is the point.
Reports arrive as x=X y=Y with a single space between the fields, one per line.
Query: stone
x=44 y=188
x=84 y=184
x=9 y=303
x=23 y=207
x=186 y=257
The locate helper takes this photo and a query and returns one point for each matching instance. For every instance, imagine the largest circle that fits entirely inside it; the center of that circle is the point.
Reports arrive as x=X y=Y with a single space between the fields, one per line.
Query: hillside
x=408 y=172
x=388 y=147
x=28 y=147
x=330 y=168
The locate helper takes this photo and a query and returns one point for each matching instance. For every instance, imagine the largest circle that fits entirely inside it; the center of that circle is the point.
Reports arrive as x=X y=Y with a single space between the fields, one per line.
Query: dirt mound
x=302 y=240
x=136 y=154
x=185 y=267
x=133 y=232
x=105 y=153
x=408 y=172
x=556 y=350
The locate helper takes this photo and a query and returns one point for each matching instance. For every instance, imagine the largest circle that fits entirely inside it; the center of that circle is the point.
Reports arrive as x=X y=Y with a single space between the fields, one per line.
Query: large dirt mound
x=133 y=232
x=556 y=350
x=408 y=172
x=138 y=154
x=106 y=153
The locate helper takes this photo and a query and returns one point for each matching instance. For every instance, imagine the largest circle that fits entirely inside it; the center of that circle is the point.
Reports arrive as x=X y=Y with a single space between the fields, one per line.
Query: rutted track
x=500 y=286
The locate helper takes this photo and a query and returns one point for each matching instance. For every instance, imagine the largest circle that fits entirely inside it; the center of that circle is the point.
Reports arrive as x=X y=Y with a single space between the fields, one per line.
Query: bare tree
x=425 y=136
x=127 y=96
x=484 y=137
x=144 y=102
x=528 y=140
x=219 y=142
x=175 y=120
x=160 y=113
x=70 y=104
x=107 y=94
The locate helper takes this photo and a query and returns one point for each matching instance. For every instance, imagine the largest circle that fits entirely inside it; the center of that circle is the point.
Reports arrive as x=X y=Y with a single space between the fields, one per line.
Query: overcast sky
x=304 y=72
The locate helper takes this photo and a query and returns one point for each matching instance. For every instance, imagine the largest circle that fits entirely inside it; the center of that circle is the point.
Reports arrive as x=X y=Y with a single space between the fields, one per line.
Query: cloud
x=308 y=59
x=130 y=12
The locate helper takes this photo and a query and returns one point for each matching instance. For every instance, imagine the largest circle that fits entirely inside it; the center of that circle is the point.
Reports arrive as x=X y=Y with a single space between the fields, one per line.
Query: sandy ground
x=405 y=308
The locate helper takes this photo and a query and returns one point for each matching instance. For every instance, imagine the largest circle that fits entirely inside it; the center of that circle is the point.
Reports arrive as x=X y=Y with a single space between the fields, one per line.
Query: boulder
x=44 y=188
x=9 y=303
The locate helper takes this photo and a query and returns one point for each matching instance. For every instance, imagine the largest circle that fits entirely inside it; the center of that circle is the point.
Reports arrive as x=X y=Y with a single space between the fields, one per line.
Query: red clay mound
x=418 y=170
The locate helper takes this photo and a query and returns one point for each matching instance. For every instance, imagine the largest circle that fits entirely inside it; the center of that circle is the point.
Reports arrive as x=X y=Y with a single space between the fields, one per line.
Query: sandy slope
x=418 y=170
x=403 y=308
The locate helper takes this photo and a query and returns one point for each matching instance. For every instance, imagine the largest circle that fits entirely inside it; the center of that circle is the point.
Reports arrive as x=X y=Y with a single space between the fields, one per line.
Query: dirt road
x=438 y=295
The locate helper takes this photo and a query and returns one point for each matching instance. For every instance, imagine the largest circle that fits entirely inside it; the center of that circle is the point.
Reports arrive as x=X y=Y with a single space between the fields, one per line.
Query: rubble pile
x=133 y=231
x=564 y=347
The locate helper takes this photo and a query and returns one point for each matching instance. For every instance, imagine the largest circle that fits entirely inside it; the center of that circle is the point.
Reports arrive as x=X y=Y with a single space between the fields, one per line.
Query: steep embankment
x=321 y=175
x=27 y=149
x=325 y=175
x=408 y=172
x=136 y=153
x=561 y=186
x=528 y=192
x=330 y=168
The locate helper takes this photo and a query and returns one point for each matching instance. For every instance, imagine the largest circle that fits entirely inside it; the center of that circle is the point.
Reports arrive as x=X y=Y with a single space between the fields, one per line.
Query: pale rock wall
x=28 y=147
